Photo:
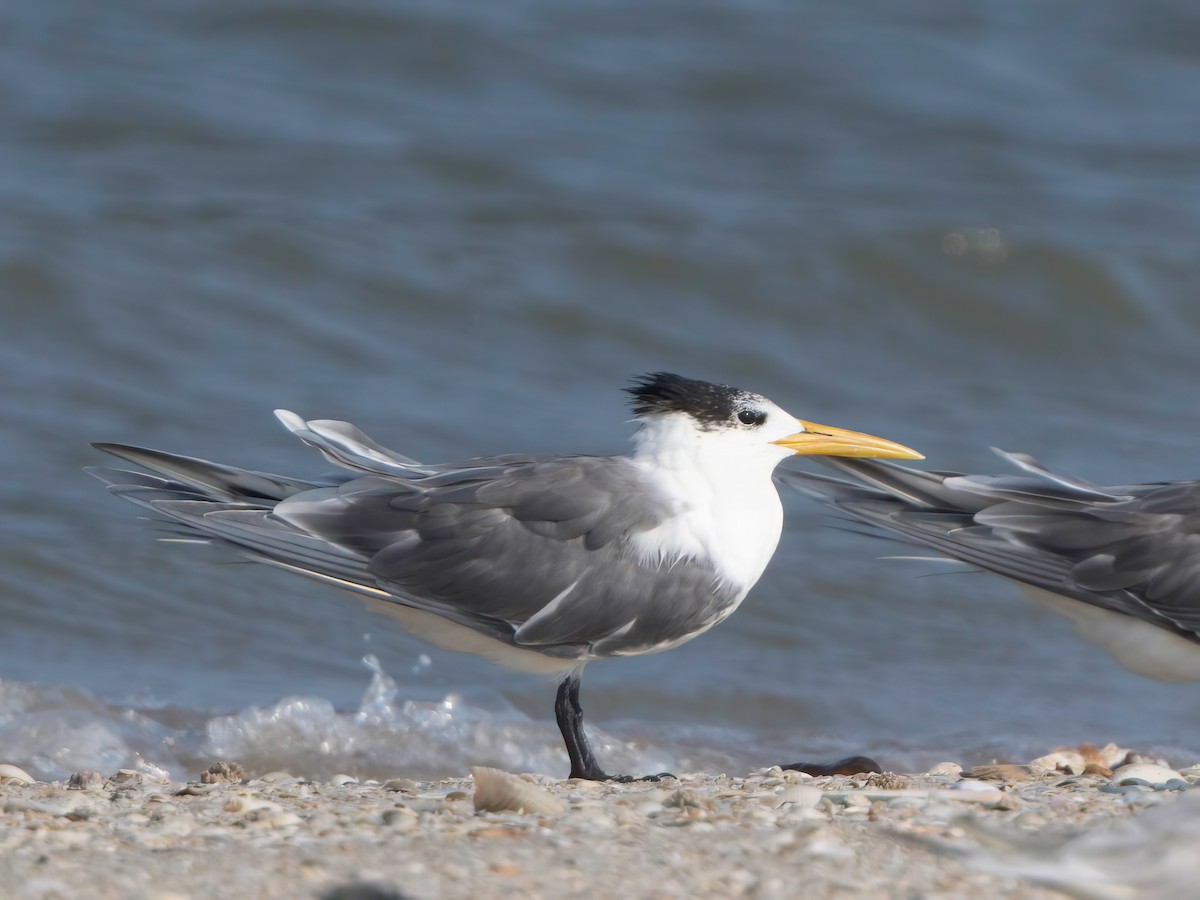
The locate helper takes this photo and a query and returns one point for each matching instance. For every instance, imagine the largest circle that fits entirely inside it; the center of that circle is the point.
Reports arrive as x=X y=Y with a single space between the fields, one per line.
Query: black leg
x=570 y=722
x=851 y=765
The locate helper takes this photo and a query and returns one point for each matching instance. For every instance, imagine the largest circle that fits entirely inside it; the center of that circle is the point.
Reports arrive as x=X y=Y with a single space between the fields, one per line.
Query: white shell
x=498 y=791
x=13 y=773
x=1070 y=762
x=800 y=796
x=1147 y=772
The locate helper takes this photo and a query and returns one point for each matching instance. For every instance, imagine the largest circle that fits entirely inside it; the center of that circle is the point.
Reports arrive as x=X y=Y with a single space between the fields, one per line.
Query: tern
x=1122 y=562
x=538 y=563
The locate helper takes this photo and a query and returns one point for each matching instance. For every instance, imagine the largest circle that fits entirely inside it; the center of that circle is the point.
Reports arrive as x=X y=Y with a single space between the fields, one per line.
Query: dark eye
x=752 y=417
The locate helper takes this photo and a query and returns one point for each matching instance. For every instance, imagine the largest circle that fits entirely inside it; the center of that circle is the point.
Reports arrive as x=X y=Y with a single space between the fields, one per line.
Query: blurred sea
x=463 y=227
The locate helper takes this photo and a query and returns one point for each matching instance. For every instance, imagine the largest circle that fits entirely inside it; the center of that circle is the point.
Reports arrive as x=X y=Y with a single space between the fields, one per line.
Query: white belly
x=1138 y=646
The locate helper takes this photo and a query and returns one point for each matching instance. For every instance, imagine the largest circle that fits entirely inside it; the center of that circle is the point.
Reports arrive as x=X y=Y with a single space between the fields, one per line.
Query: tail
x=205 y=502
x=189 y=478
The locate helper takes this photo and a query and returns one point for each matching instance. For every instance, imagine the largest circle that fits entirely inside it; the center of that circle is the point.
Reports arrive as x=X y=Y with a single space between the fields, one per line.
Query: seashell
x=498 y=791
x=10 y=773
x=1191 y=773
x=1145 y=772
x=1085 y=759
x=1069 y=762
x=800 y=796
x=1110 y=755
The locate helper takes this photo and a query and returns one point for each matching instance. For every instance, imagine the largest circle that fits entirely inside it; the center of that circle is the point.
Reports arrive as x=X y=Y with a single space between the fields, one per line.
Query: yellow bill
x=824 y=440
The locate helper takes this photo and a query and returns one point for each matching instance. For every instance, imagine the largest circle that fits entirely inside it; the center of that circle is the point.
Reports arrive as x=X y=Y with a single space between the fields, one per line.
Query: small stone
x=245 y=803
x=1030 y=819
x=194 y=789
x=1001 y=772
x=946 y=769
x=400 y=818
x=275 y=777
x=342 y=780
x=795 y=776
x=222 y=773
x=684 y=799
x=1191 y=773
x=69 y=838
x=454 y=796
x=285 y=819
x=175 y=826
x=407 y=785
x=87 y=780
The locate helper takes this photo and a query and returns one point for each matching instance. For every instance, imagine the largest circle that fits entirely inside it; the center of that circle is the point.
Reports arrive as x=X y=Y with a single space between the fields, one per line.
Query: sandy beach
x=993 y=831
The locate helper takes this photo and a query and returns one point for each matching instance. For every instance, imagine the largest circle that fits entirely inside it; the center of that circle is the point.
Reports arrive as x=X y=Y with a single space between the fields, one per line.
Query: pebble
x=407 y=785
x=273 y=778
x=87 y=780
x=342 y=780
x=945 y=770
x=221 y=772
x=285 y=820
x=247 y=803
x=401 y=819
x=1006 y=772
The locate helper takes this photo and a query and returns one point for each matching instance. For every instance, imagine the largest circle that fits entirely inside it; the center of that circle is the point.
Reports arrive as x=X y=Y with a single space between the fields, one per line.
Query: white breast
x=734 y=522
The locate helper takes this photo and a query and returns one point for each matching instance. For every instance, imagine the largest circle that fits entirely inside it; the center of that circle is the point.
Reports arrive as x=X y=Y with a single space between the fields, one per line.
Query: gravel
x=1016 y=831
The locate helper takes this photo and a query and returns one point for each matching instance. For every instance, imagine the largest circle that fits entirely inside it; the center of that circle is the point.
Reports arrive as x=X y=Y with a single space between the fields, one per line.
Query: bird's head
x=683 y=415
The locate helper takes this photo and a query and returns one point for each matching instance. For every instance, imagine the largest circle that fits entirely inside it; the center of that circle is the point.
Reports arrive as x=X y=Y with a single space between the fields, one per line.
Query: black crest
x=665 y=392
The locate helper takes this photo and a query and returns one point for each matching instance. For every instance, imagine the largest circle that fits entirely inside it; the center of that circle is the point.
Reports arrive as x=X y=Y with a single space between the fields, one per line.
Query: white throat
x=727 y=509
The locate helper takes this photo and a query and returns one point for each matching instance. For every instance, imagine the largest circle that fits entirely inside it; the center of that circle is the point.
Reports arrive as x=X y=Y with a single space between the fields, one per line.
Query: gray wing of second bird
x=1132 y=549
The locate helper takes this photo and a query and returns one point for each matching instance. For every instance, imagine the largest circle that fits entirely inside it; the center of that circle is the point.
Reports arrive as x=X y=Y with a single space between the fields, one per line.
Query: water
x=463 y=227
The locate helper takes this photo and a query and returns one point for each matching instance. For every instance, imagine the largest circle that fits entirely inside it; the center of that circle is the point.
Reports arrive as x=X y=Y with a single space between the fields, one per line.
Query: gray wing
x=533 y=551
x=1133 y=549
